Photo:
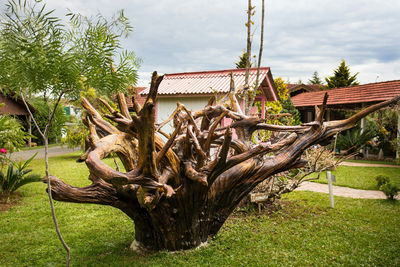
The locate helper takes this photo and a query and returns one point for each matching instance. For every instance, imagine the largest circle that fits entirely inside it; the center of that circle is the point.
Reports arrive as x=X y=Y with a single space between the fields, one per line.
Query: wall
x=166 y=106
x=11 y=107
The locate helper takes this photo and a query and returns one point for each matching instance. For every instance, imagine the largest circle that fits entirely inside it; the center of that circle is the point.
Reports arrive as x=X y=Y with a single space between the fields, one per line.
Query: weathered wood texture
x=179 y=192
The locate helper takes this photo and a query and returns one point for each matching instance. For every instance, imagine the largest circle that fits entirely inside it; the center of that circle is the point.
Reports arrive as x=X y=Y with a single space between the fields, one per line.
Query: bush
x=381 y=180
x=12 y=134
x=390 y=190
x=76 y=136
x=42 y=116
x=16 y=176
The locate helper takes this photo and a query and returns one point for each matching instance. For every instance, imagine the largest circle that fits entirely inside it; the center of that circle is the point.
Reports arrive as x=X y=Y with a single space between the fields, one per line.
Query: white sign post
x=331 y=178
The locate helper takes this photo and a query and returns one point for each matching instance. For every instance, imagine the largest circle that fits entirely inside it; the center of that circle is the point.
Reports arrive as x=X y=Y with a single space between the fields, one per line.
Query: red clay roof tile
x=372 y=92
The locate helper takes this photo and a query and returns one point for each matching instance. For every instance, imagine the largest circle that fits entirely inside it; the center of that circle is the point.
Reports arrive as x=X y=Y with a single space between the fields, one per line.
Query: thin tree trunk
x=44 y=136
x=29 y=121
x=248 y=59
x=253 y=96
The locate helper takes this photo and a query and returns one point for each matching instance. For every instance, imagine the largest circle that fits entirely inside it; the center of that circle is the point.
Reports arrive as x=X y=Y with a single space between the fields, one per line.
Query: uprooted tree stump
x=179 y=192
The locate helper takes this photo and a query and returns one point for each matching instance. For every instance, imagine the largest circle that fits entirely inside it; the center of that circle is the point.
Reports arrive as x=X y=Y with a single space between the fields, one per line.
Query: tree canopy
x=341 y=77
x=315 y=79
x=241 y=63
x=40 y=55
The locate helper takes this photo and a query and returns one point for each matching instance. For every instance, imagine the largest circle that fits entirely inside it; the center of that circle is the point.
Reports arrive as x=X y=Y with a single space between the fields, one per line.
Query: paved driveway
x=53 y=151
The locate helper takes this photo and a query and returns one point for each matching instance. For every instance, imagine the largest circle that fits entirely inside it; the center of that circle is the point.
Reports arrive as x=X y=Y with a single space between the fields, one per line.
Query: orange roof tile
x=372 y=92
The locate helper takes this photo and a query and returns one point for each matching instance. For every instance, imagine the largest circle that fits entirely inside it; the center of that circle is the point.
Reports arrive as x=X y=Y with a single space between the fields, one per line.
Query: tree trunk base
x=138 y=247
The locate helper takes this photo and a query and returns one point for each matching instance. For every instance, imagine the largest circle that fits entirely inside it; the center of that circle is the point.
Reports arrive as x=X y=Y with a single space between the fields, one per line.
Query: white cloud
x=301 y=36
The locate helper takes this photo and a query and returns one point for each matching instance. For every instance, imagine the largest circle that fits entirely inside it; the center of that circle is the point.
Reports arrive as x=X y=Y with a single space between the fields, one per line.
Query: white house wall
x=166 y=106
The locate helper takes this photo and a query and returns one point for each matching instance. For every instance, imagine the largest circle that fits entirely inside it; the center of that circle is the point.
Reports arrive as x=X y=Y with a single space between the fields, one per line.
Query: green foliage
x=12 y=134
x=381 y=180
x=42 y=117
x=284 y=105
x=386 y=186
x=341 y=77
x=17 y=175
x=241 y=63
x=96 y=43
x=43 y=56
x=76 y=136
x=275 y=107
x=281 y=88
x=315 y=79
x=288 y=107
x=353 y=140
x=390 y=190
x=385 y=124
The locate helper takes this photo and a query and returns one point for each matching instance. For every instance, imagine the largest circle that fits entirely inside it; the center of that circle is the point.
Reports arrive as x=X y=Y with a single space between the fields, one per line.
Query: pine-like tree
x=342 y=77
x=288 y=107
x=315 y=79
x=241 y=63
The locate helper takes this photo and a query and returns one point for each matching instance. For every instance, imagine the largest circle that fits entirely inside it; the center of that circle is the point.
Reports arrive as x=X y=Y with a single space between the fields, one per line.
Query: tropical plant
x=354 y=139
x=3 y=158
x=385 y=123
x=16 y=176
x=12 y=134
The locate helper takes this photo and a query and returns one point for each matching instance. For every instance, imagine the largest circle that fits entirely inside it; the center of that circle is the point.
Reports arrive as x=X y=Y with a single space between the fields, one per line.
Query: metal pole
x=329 y=177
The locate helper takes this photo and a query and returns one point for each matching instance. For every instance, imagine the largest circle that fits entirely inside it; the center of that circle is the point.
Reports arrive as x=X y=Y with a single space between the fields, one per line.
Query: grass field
x=361 y=177
x=304 y=232
x=372 y=161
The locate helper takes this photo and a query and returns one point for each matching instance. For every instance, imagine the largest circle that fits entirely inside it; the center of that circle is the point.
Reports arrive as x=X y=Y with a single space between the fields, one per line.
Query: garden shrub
x=390 y=190
x=12 y=134
x=16 y=176
x=381 y=180
x=386 y=186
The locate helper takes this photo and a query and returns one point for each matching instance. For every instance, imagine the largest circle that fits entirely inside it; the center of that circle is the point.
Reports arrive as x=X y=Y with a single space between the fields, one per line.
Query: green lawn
x=361 y=177
x=304 y=232
x=372 y=161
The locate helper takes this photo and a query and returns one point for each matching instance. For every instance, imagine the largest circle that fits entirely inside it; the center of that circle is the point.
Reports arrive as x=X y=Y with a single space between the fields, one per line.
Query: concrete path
x=343 y=191
x=53 y=151
x=357 y=164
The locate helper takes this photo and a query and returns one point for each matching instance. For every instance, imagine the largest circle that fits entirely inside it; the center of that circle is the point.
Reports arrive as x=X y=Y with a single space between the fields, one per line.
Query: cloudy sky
x=301 y=36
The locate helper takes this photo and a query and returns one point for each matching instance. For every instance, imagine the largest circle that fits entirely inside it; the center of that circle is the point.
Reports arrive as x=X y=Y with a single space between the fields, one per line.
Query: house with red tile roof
x=193 y=89
x=347 y=98
x=295 y=89
x=350 y=98
x=135 y=92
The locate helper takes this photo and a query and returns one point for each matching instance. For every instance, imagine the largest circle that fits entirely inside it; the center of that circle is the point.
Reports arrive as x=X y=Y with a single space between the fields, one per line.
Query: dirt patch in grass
x=14 y=200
